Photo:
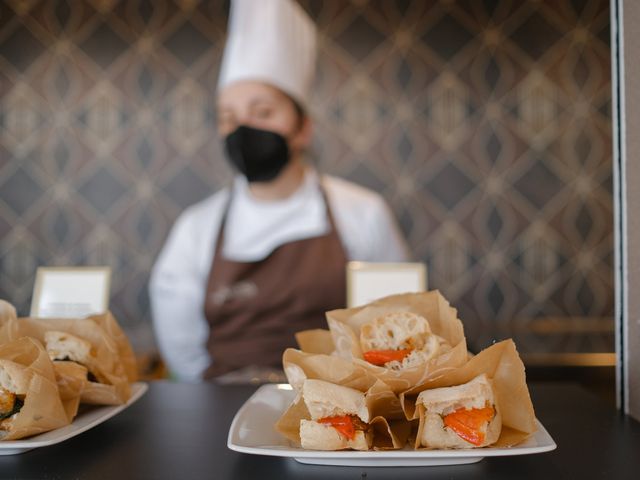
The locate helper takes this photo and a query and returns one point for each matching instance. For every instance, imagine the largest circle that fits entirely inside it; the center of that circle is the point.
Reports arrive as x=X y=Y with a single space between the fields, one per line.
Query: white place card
x=368 y=281
x=76 y=292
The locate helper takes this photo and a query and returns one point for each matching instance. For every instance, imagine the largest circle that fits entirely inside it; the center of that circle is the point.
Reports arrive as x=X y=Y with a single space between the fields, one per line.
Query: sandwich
x=463 y=416
x=339 y=417
x=78 y=365
x=65 y=347
x=103 y=353
x=29 y=398
x=398 y=340
x=14 y=385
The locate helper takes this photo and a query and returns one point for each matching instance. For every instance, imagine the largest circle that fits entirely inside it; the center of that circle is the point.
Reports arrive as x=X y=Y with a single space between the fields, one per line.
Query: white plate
x=252 y=431
x=82 y=423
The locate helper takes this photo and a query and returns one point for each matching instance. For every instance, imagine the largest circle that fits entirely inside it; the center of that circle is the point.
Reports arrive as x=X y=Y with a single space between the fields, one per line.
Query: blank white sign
x=368 y=281
x=70 y=292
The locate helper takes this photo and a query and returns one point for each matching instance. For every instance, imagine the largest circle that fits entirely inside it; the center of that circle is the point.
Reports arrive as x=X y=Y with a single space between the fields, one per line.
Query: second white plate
x=81 y=423
x=252 y=431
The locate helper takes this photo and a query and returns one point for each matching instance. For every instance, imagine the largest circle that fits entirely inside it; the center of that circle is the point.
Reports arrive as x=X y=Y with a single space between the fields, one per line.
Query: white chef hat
x=273 y=41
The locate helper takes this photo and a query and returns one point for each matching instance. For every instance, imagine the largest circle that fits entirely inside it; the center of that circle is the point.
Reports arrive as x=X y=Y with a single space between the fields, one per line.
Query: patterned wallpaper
x=486 y=124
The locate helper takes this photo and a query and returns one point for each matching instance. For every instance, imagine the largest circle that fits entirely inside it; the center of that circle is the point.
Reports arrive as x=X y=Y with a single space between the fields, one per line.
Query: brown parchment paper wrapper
x=501 y=363
x=71 y=378
x=299 y=366
x=115 y=362
x=125 y=352
x=315 y=341
x=42 y=410
x=390 y=429
x=345 y=324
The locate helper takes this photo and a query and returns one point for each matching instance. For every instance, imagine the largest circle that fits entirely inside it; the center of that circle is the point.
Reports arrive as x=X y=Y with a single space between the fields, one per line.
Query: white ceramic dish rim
x=83 y=422
x=540 y=442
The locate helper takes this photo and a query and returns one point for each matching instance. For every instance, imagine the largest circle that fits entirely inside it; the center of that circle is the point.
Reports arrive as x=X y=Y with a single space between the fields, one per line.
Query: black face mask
x=259 y=154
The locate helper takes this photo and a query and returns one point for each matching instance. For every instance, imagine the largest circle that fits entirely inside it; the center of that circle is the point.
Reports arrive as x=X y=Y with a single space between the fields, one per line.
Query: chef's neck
x=284 y=185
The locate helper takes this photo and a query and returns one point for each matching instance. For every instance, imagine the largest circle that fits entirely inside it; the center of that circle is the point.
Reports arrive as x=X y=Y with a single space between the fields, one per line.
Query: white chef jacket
x=253 y=229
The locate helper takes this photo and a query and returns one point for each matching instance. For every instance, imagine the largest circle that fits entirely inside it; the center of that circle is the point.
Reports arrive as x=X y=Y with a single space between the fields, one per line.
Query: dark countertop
x=180 y=431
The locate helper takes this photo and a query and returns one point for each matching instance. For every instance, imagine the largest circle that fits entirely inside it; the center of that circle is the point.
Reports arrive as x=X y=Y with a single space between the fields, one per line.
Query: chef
x=246 y=268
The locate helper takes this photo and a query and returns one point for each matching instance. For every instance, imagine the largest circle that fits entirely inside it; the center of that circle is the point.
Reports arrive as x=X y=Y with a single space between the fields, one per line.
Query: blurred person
x=246 y=268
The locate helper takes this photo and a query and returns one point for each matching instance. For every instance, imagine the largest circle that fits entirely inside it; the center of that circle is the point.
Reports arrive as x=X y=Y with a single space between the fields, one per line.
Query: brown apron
x=254 y=308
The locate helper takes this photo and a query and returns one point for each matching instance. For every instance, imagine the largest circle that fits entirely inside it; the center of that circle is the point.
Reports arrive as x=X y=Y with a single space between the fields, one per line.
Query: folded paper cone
x=298 y=366
x=109 y=359
x=125 y=352
x=502 y=364
x=27 y=371
x=346 y=326
x=315 y=341
x=71 y=379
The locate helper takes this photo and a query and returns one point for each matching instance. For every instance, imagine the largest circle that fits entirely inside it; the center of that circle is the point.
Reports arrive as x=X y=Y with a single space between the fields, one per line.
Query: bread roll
x=326 y=400
x=318 y=436
x=401 y=331
x=439 y=403
x=14 y=378
x=65 y=346
x=29 y=397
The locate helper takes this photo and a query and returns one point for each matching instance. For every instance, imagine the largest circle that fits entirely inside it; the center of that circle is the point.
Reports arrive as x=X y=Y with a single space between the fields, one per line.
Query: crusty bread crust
x=317 y=436
x=474 y=394
x=14 y=377
x=62 y=346
x=440 y=402
x=65 y=346
x=325 y=399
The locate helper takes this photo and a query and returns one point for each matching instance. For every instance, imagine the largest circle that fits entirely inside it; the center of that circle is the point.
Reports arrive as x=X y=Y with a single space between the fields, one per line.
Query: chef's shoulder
x=365 y=222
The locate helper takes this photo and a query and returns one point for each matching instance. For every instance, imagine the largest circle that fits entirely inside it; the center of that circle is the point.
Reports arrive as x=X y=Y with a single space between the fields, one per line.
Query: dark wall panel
x=485 y=124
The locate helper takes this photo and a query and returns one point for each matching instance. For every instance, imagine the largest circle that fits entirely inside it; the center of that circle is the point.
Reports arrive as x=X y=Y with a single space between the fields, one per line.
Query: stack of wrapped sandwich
x=397 y=372
x=48 y=367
